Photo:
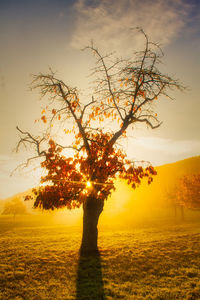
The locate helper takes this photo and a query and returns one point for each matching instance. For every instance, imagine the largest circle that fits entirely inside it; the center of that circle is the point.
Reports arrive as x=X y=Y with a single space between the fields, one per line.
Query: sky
x=36 y=35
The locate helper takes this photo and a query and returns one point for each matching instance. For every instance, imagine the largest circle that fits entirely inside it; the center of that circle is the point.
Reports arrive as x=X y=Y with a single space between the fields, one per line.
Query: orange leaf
x=43 y=118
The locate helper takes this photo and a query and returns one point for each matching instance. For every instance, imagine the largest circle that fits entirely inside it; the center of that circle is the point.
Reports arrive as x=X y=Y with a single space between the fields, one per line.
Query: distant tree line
x=14 y=207
x=185 y=193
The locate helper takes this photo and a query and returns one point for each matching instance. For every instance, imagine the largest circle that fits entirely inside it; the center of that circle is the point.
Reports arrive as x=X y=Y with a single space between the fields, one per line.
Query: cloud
x=108 y=22
x=169 y=146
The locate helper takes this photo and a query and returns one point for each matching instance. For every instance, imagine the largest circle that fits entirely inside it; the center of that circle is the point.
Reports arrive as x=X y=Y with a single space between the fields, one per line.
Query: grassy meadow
x=157 y=260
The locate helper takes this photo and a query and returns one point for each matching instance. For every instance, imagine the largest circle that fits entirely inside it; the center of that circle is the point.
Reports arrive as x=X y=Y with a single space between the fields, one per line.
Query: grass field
x=153 y=261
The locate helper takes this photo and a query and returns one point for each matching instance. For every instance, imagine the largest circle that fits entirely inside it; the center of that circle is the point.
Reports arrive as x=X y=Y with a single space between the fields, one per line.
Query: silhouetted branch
x=30 y=139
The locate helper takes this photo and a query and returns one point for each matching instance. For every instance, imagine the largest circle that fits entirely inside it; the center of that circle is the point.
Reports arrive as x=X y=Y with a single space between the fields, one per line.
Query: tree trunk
x=175 y=211
x=92 y=209
x=182 y=213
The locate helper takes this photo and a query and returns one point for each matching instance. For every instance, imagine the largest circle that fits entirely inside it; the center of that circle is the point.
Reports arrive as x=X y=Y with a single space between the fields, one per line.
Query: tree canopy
x=124 y=94
x=14 y=207
x=188 y=193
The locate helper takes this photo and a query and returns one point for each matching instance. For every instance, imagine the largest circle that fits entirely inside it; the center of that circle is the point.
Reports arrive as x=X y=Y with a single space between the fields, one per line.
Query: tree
x=188 y=193
x=172 y=199
x=124 y=94
x=14 y=207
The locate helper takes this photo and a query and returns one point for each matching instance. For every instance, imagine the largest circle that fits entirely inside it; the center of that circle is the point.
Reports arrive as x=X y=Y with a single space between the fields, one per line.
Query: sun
x=88 y=184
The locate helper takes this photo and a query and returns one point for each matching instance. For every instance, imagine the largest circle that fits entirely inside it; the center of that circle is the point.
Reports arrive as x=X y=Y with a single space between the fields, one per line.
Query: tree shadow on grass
x=89 y=283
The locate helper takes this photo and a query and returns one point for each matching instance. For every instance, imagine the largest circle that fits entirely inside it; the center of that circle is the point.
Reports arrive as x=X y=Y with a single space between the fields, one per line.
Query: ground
x=148 y=261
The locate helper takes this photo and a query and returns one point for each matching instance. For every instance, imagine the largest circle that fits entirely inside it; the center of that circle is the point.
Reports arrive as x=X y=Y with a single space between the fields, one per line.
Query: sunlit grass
x=159 y=261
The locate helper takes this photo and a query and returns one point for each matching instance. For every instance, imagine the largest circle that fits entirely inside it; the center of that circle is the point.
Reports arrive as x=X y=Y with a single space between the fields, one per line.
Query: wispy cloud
x=109 y=22
x=161 y=150
x=169 y=146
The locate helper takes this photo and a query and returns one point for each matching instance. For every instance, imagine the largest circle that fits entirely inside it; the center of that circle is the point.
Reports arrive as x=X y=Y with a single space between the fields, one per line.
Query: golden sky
x=36 y=35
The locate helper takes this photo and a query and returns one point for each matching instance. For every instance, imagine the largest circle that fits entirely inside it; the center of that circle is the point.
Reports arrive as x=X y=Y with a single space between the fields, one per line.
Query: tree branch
x=31 y=140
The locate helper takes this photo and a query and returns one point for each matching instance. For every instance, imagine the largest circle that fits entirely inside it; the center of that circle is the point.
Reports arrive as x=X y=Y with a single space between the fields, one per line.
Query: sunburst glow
x=88 y=184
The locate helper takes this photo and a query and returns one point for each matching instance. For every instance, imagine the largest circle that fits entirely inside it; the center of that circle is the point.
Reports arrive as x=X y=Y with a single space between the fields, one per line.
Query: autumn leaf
x=43 y=118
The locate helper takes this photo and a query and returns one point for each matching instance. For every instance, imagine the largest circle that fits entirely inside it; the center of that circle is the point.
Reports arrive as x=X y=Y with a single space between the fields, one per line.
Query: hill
x=149 y=201
x=127 y=205
x=176 y=170
x=168 y=176
x=2 y=203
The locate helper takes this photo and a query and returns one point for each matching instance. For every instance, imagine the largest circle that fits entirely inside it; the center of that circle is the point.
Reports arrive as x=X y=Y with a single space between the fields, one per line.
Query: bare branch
x=77 y=120
x=28 y=138
x=85 y=107
x=108 y=76
x=25 y=164
x=145 y=120
x=71 y=147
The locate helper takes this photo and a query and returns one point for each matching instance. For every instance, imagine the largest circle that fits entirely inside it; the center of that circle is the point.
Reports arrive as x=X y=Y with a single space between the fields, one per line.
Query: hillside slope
x=148 y=201
x=127 y=204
